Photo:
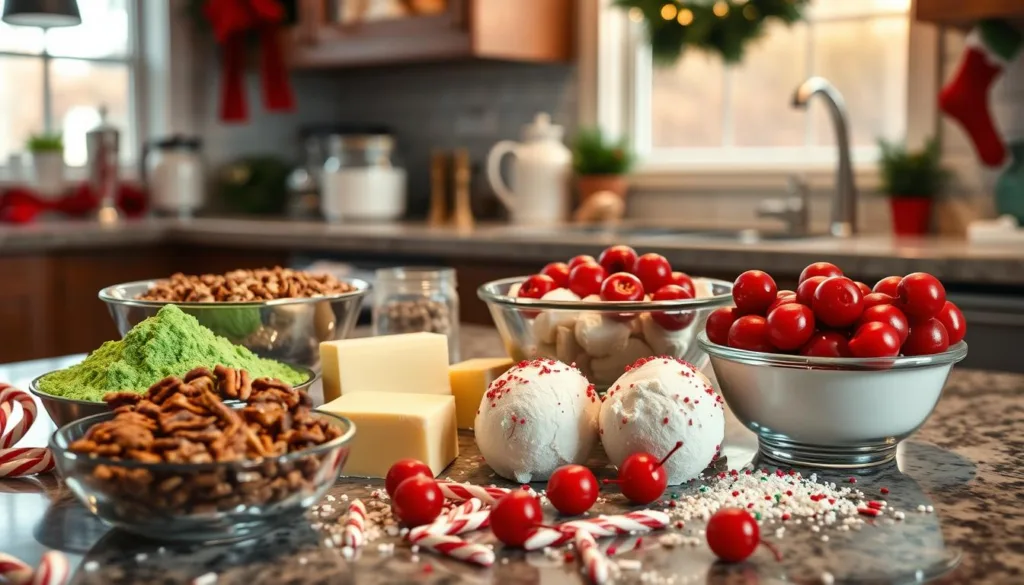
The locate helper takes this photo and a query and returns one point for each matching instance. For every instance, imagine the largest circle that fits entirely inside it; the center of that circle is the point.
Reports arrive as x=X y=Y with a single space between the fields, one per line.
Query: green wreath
x=722 y=27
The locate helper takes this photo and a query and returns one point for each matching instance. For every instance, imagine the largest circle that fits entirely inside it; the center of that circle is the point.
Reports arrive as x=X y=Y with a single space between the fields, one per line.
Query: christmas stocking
x=965 y=97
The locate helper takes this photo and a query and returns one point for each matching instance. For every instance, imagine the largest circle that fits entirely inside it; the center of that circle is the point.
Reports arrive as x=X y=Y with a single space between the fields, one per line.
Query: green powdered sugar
x=168 y=344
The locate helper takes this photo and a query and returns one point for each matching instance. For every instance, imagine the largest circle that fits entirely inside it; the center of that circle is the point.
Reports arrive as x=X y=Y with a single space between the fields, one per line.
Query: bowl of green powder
x=283 y=329
x=170 y=343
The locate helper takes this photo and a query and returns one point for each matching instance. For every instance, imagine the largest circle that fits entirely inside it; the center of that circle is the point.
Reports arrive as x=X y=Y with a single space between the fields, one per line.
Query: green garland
x=722 y=27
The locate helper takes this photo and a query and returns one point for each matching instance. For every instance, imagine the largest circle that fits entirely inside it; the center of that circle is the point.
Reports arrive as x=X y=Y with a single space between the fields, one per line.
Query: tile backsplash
x=468 y=105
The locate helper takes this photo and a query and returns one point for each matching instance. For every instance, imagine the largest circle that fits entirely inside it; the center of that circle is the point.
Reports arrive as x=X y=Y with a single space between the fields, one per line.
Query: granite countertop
x=964 y=462
x=869 y=256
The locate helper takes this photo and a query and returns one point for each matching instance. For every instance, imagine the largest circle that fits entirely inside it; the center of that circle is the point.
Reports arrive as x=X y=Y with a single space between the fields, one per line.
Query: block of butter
x=393 y=426
x=411 y=362
x=469 y=381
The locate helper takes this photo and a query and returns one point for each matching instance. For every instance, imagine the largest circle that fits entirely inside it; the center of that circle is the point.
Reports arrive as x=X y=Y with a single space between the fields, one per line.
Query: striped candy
x=19 y=462
x=53 y=569
x=354 y=535
x=457 y=525
x=595 y=564
x=461 y=492
x=14 y=571
x=454 y=547
x=603 y=526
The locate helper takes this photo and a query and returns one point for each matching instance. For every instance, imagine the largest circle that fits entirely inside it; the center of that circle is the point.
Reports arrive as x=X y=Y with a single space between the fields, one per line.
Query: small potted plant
x=600 y=164
x=912 y=180
x=47 y=162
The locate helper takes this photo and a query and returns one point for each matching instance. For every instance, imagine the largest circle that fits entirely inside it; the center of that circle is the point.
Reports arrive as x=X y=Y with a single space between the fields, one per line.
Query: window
x=58 y=80
x=703 y=115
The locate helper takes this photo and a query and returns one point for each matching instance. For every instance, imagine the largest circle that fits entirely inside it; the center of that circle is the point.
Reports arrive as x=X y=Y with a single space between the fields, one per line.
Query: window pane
x=80 y=88
x=762 y=86
x=21 y=103
x=867 y=61
x=687 y=103
x=20 y=39
x=103 y=32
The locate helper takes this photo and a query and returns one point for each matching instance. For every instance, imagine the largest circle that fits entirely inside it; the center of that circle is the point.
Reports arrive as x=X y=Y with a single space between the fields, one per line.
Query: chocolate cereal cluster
x=245 y=285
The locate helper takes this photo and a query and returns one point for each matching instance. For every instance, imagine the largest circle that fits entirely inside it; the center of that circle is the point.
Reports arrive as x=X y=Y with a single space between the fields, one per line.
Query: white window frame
x=160 y=77
x=615 y=63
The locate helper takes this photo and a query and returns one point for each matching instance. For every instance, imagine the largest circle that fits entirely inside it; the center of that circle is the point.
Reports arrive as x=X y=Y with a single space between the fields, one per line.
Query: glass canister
x=362 y=179
x=414 y=299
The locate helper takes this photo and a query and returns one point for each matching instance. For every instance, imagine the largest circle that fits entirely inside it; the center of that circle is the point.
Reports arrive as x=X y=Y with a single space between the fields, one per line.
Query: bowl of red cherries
x=604 y=313
x=835 y=373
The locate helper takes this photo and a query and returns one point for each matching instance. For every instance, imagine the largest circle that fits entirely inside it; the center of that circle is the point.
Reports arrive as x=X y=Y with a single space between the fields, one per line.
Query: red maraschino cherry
x=514 y=517
x=642 y=477
x=733 y=535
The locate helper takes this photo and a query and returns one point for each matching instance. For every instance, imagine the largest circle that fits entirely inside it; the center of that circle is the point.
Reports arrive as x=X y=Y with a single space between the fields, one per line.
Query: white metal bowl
x=830 y=412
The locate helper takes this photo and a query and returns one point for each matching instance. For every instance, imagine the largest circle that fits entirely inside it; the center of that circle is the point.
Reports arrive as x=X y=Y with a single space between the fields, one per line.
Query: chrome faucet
x=794 y=210
x=844 y=203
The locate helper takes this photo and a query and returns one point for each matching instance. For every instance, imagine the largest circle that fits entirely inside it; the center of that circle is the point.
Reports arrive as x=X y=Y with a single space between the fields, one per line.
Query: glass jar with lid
x=362 y=179
x=414 y=299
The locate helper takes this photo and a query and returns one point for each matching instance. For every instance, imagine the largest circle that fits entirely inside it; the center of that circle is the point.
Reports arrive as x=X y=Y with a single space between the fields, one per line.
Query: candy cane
x=600 y=527
x=22 y=461
x=594 y=563
x=353 y=535
x=468 y=507
x=53 y=569
x=14 y=571
x=455 y=547
x=459 y=525
x=461 y=492
x=8 y=396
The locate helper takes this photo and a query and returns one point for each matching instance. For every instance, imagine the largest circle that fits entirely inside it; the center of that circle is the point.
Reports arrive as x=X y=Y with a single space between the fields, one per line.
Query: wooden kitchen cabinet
x=25 y=307
x=334 y=33
x=964 y=13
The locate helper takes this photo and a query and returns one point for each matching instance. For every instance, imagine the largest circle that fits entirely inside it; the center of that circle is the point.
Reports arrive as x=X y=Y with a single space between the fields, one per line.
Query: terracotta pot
x=590 y=184
x=910 y=215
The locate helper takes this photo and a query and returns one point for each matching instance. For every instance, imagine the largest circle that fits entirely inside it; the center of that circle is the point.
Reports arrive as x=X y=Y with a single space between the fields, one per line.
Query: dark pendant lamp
x=42 y=13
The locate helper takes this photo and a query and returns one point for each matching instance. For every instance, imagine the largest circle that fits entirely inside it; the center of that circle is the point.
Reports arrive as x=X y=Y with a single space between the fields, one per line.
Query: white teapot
x=539 y=193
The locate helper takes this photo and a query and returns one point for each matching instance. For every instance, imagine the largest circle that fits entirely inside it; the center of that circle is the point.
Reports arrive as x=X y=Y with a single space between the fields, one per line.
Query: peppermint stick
x=468 y=507
x=353 y=535
x=461 y=492
x=458 y=525
x=53 y=569
x=19 y=462
x=603 y=526
x=454 y=547
x=595 y=564
x=14 y=570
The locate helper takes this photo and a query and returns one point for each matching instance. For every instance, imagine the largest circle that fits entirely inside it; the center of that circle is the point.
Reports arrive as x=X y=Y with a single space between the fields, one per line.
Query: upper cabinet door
x=340 y=33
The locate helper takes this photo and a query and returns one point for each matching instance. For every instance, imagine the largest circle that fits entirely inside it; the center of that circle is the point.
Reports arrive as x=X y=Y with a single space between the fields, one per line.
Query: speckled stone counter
x=868 y=256
x=965 y=463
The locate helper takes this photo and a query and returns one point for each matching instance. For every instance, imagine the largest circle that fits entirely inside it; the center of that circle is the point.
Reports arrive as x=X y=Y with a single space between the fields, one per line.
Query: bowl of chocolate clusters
x=277 y=313
x=211 y=456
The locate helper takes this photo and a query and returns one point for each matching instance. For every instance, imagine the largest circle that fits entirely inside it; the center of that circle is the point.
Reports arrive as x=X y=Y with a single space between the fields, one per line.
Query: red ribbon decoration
x=22 y=205
x=231 y=21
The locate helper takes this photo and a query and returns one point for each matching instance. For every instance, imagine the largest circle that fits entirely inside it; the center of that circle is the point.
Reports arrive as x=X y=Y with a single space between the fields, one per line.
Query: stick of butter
x=393 y=426
x=410 y=362
x=469 y=381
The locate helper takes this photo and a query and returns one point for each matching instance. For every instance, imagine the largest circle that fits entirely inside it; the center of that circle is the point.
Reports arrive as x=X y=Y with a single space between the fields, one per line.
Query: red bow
x=231 y=20
x=22 y=205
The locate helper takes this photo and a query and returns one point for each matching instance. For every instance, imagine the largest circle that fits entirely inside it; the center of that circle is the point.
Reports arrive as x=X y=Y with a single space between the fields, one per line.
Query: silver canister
x=103 y=147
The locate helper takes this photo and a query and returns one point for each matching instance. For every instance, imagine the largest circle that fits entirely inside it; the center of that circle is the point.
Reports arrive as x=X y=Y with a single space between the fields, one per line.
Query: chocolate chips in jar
x=412 y=316
x=416 y=299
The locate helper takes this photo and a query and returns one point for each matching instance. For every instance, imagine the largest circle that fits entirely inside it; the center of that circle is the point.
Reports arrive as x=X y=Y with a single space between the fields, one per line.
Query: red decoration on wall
x=232 y=20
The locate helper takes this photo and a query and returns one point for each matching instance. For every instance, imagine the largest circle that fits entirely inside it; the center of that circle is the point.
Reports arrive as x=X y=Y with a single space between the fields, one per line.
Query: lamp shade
x=42 y=13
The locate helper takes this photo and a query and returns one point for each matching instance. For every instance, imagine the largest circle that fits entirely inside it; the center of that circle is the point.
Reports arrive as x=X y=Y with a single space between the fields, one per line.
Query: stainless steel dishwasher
x=995 y=329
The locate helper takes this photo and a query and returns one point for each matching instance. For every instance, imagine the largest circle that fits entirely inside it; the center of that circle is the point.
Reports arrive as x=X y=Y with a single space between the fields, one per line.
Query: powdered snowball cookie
x=600 y=336
x=535 y=418
x=663 y=341
x=566 y=347
x=660 y=401
x=608 y=368
x=592 y=299
x=546 y=324
x=513 y=291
